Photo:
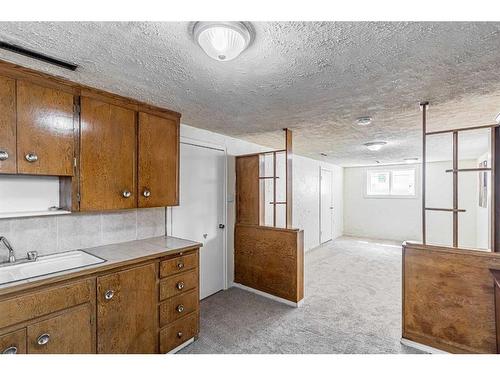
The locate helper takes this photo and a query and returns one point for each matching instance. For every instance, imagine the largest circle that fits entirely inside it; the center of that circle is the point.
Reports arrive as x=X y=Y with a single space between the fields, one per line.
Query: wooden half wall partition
x=270 y=260
x=449 y=298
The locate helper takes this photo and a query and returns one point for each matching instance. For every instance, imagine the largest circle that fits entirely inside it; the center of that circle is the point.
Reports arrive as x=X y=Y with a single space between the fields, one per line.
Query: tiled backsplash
x=50 y=234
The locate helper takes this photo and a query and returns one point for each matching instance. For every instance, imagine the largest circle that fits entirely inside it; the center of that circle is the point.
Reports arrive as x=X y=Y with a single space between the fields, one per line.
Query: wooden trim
x=424 y=164
x=289 y=176
x=274 y=188
x=448 y=249
x=495 y=196
x=462 y=129
x=455 y=189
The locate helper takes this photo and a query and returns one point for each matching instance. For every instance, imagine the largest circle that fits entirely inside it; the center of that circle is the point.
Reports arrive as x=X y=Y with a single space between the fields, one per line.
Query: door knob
x=10 y=350
x=43 y=339
x=126 y=194
x=180 y=265
x=180 y=285
x=109 y=294
x=146 y=193
x=31 y=157
x=222 y=226
x=4 y=155
x=180 y=308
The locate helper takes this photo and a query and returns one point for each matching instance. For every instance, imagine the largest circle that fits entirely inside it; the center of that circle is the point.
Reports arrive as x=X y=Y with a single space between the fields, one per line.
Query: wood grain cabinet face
x=127 y=316
x=68 y=333
x=8 y=154
x=107 y=156
x=158 y=161
x=45 y=139
x=13 y=342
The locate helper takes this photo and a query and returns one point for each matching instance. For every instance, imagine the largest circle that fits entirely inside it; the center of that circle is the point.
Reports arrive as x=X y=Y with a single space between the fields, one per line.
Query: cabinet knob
x=109 y=294
x=10 y=350
x=43 y=339
x=180 y=285
x=126 y=194
x=4 y=155
x=180 y=265
x=31 y=157
x=180 y=308
x=146 y=193
x=179 y=334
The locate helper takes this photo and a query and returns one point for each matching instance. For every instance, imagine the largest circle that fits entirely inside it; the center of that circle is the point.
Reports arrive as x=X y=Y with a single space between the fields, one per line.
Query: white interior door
x=326 y=205
x=201 y=211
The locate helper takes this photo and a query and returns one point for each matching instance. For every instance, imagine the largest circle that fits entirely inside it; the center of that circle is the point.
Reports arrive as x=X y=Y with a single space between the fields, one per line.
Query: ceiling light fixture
x=411 y=160
x=375 y=146
x=223 y=41
x=364 y=121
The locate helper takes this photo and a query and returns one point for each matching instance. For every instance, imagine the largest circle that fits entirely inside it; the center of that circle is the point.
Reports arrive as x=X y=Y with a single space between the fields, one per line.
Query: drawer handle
x=43 y=339
x=180 y=265
x=146 y=193
x=10 y=350
x=180 y=308
x=109 y=294
x=180 y=285
x=31 y=157
x=4 y=155
x=126 y=194
x=179 y=334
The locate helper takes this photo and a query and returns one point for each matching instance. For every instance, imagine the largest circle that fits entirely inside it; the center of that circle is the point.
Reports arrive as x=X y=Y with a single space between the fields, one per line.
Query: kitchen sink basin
x=45 y=265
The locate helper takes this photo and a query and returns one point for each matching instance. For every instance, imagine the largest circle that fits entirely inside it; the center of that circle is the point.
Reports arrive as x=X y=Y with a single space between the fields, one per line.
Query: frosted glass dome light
x=222 y=41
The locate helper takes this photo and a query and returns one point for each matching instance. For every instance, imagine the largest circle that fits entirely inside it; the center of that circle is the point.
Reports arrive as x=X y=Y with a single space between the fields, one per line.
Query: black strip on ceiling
x=37 y=56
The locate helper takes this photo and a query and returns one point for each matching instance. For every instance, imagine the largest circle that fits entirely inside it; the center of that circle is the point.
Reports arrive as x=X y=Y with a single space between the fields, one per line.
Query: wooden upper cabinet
x=45 y=140
x=107 y=156
x=127 y=311
x=158 y=161
x=8 y=125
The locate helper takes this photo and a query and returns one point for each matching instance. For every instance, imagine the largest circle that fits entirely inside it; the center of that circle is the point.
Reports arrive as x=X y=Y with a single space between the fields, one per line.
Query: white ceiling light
x=222 y=41
x=375 y=146
x=364 y=121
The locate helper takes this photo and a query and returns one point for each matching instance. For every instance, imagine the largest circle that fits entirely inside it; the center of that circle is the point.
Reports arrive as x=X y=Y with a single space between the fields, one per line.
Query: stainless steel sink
x=45 y=265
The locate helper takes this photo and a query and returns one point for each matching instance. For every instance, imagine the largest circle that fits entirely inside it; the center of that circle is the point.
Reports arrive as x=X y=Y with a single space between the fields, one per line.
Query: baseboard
x=181 y=346
x=267 y=295
x=422 y=347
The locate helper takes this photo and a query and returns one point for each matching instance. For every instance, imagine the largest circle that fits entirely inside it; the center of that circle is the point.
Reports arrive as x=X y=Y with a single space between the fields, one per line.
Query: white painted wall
x=400 y=218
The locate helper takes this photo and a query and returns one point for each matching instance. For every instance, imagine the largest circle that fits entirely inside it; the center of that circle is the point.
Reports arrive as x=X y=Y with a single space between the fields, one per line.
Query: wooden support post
x=289 y=177
x=423 y=106
x=455 y=189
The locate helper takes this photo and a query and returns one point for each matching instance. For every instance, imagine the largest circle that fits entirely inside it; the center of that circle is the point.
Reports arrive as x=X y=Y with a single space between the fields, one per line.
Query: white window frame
x=390 y=170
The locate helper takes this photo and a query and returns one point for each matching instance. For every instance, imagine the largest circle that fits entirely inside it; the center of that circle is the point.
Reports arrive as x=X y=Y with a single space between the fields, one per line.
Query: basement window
x=392 y=183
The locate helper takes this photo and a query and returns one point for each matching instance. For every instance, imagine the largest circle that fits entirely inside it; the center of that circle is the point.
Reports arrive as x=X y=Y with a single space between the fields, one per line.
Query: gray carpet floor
x=352 y=305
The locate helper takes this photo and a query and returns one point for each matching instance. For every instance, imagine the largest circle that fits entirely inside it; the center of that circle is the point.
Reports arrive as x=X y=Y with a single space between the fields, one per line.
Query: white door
x=201 y=211
x=326 y=205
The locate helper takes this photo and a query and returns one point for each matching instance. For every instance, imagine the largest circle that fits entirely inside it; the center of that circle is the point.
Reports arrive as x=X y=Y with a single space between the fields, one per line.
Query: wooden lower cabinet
x=67 y=333
x=178 y=332
x=13 y=342
x=127 y=311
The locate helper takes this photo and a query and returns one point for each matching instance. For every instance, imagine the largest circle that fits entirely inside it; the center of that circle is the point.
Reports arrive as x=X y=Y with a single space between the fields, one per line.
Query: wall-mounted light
x=364 y=121
x=375 y=146
x=222 y=41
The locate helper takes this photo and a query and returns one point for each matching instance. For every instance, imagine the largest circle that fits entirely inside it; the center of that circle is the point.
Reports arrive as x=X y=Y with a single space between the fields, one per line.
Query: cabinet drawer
x=37 y=304
x=178 y=264
x=178 y=307
x=67 y=333
x=13 y=342
x=178 y=332
x=177 y=284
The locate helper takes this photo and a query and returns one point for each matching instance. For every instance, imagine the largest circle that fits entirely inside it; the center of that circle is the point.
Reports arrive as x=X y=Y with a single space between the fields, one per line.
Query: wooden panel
x=45 y=128
x=107 y=156
x=35 y=304
x=178 y=307
x=178 y=264
x=8 y=124
x=13 y=342
x=496 y=276
x=128 y=322
x=270 y=260
x=247 y=189
x=158 y=161
x=174 y=285
x=178 y=333
x=448 y=298
x=68 y=333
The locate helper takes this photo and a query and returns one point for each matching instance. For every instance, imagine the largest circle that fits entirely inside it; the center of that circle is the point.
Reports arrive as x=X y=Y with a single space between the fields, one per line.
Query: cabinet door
x=8 y=125
x=127 y=311
x=158 y=161
x=13 y=342
x=107 y=156
x=68 y=333
x=45 y=141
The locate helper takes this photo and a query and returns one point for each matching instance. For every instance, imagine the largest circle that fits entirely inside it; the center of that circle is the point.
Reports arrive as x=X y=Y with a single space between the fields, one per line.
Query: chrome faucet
x=12 y=257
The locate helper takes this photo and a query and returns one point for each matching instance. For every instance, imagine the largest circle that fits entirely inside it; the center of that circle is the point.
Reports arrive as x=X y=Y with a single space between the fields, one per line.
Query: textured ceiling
x=314 y=77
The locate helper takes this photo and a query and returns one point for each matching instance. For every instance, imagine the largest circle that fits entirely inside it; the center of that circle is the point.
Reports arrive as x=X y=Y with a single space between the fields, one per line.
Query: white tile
x=119 y=226
x=78 y=231
x=34 y=234
x=150 y=222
